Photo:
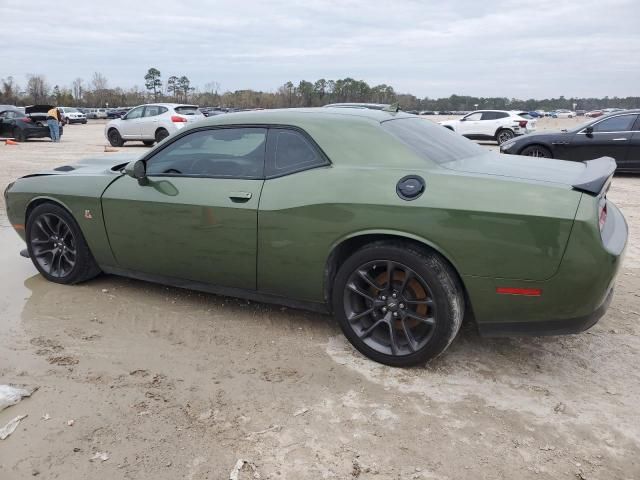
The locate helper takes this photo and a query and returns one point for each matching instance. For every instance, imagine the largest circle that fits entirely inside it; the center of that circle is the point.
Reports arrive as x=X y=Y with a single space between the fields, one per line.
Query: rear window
x=187 y=110
x=431 y=141
x=525 y=115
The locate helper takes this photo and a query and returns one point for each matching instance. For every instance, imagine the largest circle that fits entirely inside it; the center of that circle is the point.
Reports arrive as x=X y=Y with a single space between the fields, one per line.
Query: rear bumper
x=564 y=326
x=573 y=299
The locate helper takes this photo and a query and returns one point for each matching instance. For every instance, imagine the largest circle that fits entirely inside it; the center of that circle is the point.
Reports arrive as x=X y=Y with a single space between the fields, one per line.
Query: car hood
x=37 y=109
x=92 y=166
x=519 y=167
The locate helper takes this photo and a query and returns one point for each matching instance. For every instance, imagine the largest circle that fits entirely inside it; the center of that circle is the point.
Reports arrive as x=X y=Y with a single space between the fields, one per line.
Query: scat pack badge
x=87 y=215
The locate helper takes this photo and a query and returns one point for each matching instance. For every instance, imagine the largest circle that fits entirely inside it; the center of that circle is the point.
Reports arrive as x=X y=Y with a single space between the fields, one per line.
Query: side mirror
x=463 y=119
x=138 y=170
x=588 y=130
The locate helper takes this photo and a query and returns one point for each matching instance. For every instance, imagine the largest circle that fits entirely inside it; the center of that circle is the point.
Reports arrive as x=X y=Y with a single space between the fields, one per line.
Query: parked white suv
x=151 y=123
x=498 y=125
x=72 y=115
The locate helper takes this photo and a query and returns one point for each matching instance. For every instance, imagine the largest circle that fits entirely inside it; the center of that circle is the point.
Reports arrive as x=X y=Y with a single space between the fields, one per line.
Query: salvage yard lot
x=179 y=384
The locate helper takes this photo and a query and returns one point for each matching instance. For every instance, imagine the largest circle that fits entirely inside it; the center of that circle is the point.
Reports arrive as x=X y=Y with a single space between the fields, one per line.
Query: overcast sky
x=523 y=49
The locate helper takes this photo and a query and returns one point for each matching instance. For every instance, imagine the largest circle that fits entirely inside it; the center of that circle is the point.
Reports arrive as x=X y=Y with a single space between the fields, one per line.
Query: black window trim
x=324 y=158
x=268 y=127
x=600 y=120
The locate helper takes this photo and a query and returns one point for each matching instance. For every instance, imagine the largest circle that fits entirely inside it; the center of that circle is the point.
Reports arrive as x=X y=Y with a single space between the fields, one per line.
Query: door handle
x=619 y=140
x=240 y=196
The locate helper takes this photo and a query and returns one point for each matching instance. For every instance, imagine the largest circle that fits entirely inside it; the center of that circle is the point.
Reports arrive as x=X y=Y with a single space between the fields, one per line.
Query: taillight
x=602 y=213
x=177 y=119
x=522 y=123
x=25 y=120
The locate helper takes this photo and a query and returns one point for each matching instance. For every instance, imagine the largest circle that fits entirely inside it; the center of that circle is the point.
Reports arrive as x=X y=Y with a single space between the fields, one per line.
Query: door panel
x=185 y=227
x=471 y=124
x=633 y=151
x=130 y=125
x=149 y=123
x=587 y=147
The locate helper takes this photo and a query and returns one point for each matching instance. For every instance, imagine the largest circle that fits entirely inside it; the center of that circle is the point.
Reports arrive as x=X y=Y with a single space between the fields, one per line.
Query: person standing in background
x=53 y=121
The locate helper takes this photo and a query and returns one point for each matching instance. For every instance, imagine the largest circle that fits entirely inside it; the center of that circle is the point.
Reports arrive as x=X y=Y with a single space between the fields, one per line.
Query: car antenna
x=394 y=107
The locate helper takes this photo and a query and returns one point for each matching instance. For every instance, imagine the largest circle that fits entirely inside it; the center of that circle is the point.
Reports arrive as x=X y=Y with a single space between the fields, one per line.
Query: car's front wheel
x=397 y=304
x=504 y=136
x=57 y=247
x=114 y=138
x=536 y=151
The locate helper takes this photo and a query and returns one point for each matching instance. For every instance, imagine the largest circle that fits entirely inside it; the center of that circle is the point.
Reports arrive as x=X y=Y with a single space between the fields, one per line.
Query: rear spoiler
x=596 y=175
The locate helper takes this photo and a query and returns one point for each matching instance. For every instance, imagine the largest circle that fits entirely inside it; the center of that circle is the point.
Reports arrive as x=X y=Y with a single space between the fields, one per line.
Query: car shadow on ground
x=97 y=299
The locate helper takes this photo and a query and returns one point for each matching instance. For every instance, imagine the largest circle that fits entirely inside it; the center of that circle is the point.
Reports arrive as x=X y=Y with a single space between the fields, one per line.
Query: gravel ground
x=177 y=384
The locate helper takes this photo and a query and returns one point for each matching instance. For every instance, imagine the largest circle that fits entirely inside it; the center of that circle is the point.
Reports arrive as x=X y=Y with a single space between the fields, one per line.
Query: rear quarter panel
x=486 y=227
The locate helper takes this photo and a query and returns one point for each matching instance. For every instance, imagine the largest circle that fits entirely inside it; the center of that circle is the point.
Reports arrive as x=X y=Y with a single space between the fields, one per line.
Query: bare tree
x=10 y=91
x=78 y=88
x=37 y=88
x=99 y=81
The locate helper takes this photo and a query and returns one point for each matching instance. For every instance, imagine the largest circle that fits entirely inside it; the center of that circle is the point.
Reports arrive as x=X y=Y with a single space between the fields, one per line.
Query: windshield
x=431 y=141
x=70 y=109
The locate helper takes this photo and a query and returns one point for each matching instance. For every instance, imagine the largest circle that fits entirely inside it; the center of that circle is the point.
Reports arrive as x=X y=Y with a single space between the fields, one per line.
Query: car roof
x=167 y=105
x=293 y=116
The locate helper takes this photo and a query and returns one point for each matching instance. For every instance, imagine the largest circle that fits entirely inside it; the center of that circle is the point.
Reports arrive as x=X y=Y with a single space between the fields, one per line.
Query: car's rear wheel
x=161 y=134
x=148 y=143
x=504 y=136
x=536 y=151
x=57 y=247
x=114 y=138
x=19 y=135
x=398 y=305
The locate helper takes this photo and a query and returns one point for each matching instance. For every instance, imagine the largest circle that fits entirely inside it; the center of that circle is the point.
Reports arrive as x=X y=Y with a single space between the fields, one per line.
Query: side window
x=290 y=151
x=135 y=113
x=223 y=152
x=501 y=115
x=151 y=111
x=622 y=123
x=493 y=115
x=474 y=116
x=636 y=127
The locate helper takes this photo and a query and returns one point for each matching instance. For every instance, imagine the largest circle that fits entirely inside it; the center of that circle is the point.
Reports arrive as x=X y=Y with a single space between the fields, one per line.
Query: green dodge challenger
x=396 y=225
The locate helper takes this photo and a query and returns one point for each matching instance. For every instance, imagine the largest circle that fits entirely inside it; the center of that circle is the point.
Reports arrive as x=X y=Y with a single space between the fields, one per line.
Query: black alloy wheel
x=57 y=247
x=53 y=245
x=398 y=303
x=390 y=307
x=536 y=151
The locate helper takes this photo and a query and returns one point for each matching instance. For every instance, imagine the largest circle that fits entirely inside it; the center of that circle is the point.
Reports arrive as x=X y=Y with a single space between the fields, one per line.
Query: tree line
x=97 y=92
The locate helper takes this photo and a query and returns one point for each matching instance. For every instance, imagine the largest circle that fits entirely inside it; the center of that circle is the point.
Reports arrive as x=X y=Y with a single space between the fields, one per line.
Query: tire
x=148 y=143
x=422 y=318
x=84 y=122
x=161 y=134
x=114 y=138
x=19 y=135
x=536 y=151
x=504 y=135
x=57 y=247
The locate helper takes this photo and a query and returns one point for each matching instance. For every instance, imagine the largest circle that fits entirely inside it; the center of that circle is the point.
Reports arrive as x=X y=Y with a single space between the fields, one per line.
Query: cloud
x=429 y=48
